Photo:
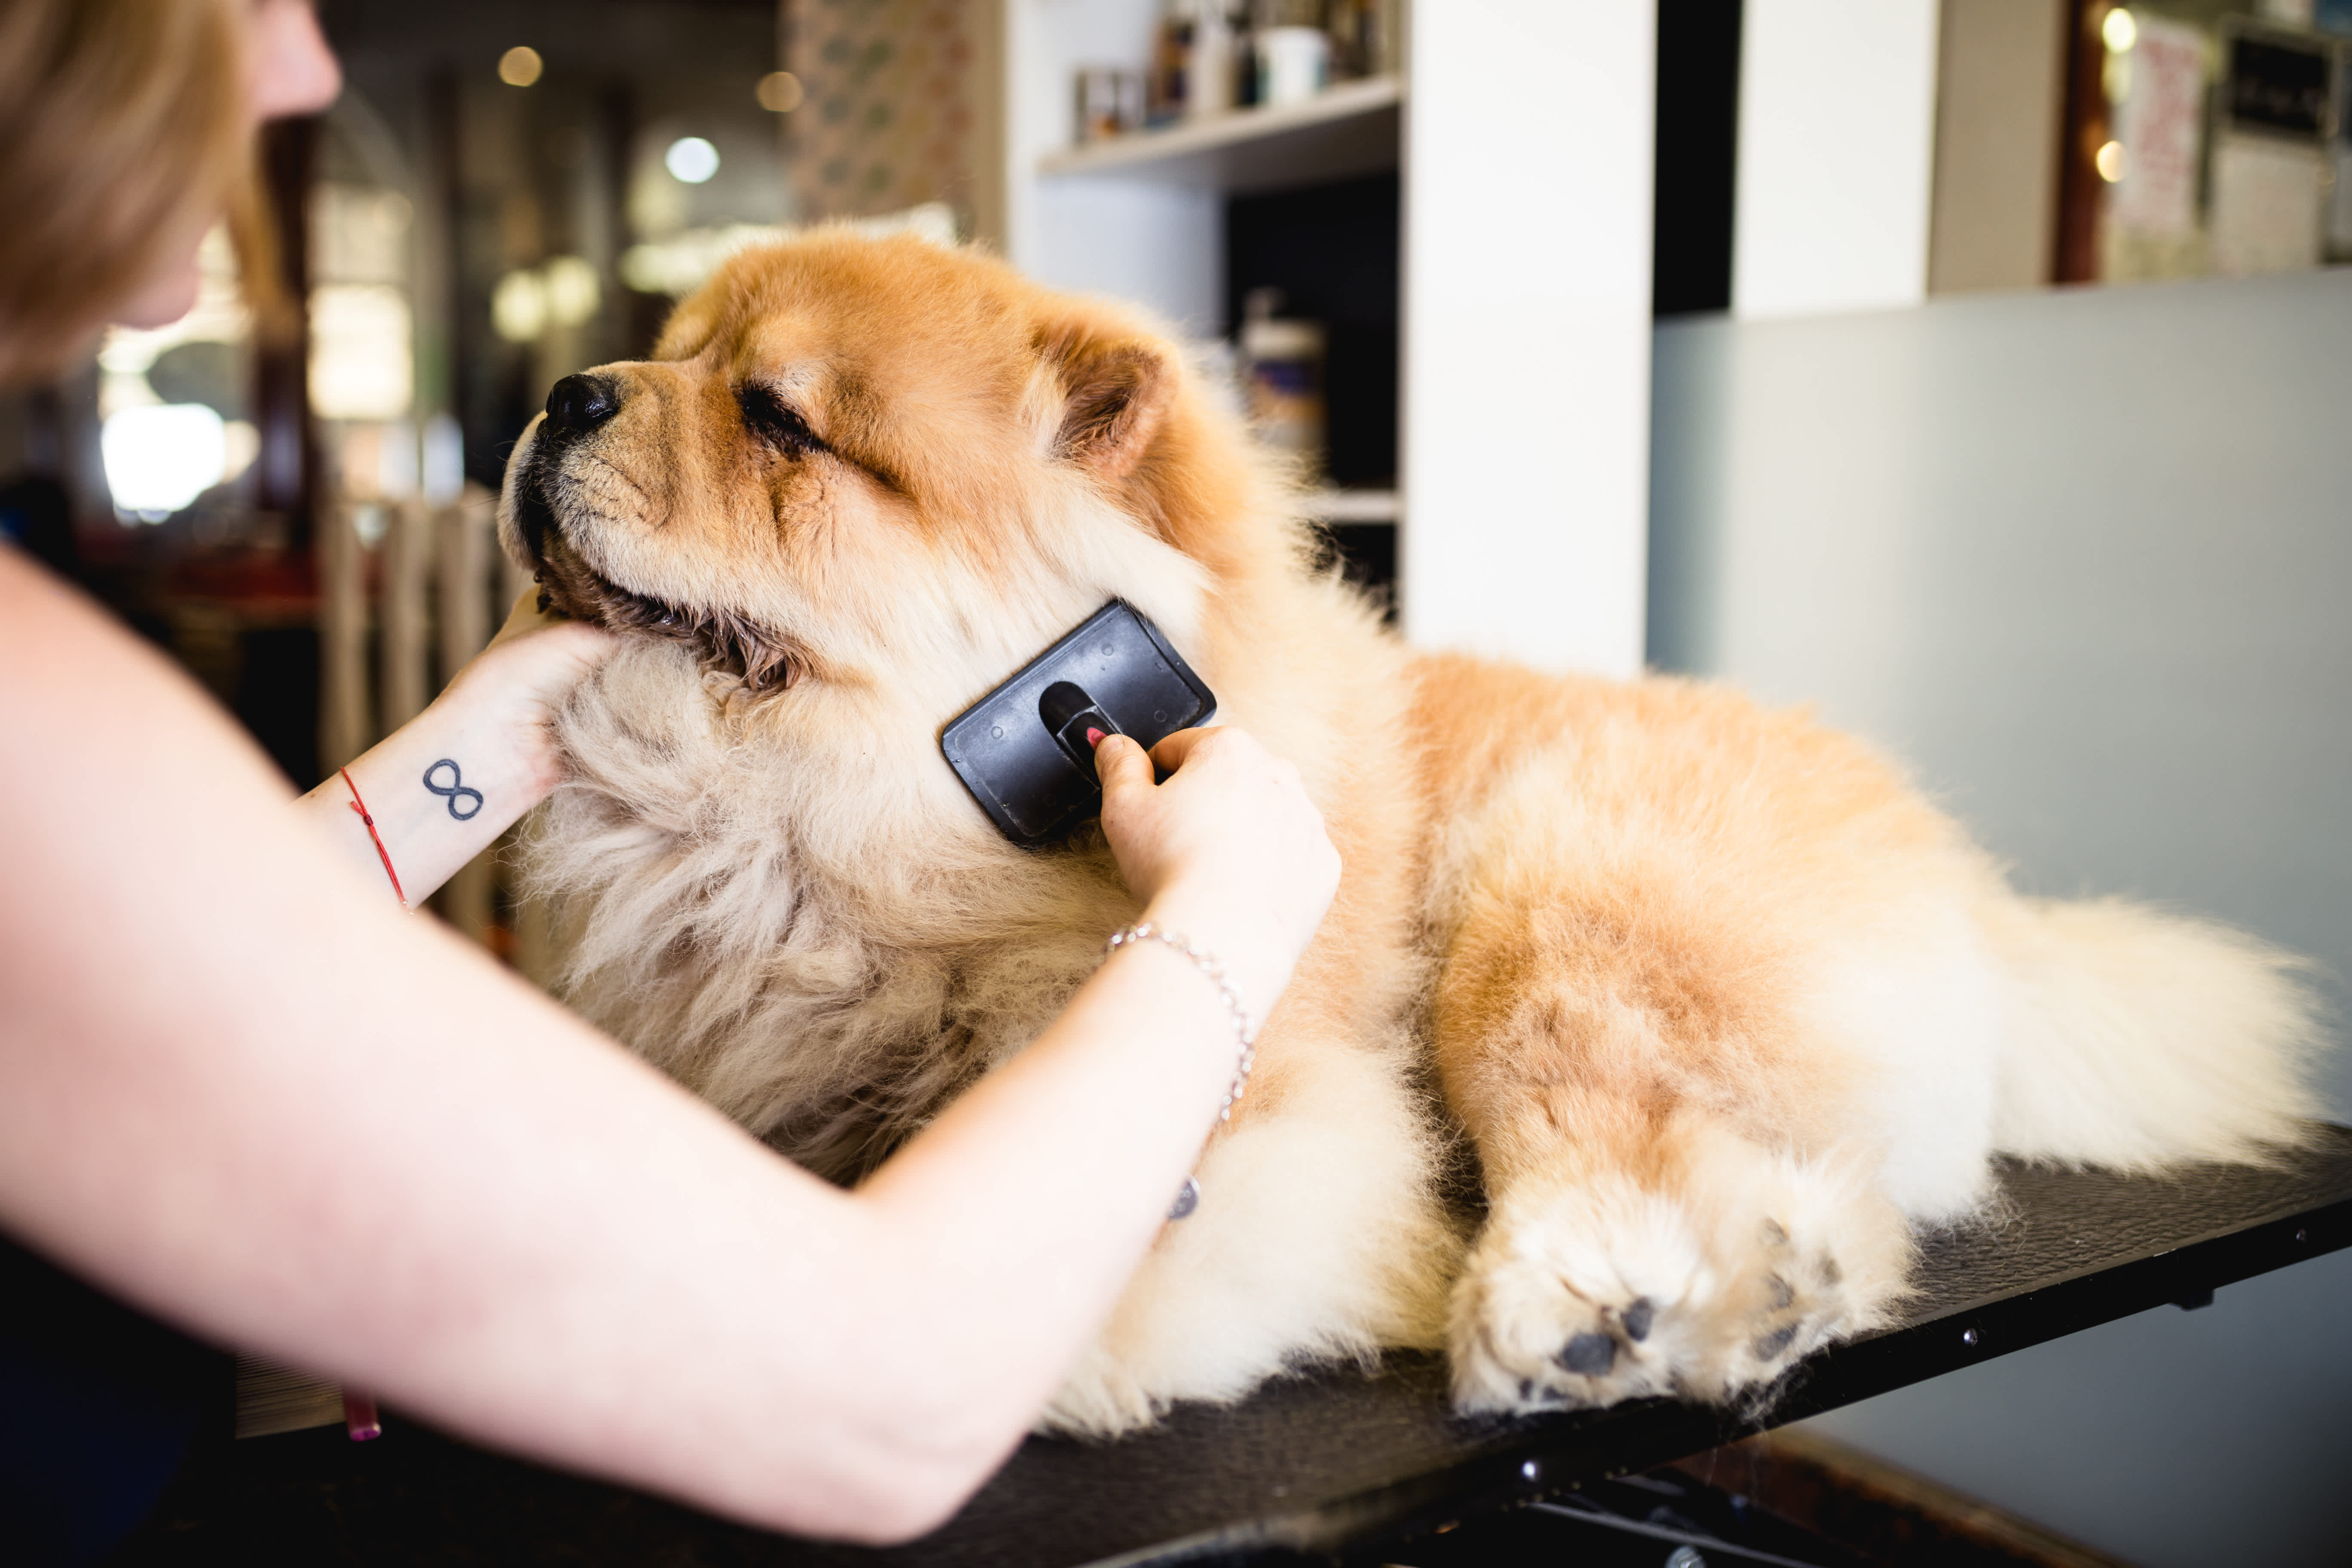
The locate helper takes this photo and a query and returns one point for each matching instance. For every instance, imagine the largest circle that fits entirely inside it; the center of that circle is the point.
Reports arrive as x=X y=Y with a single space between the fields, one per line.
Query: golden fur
x=1723 y=1007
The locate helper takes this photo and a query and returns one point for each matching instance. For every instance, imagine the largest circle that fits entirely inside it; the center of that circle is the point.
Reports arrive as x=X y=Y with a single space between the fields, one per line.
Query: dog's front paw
x=1577 y=1303
x=1589 y=1293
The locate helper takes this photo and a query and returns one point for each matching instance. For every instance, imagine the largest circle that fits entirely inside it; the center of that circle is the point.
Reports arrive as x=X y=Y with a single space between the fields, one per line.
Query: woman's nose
x=293 y=70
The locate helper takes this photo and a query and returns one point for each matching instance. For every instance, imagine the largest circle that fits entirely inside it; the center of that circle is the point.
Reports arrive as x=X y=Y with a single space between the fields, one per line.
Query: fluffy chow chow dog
x=1723 y=1010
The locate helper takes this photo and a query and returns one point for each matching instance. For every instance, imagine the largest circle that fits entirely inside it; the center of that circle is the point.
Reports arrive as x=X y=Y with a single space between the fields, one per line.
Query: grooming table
x=1330 y=1466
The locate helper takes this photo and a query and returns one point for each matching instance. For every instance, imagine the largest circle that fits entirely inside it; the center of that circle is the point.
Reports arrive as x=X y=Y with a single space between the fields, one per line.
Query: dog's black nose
x=580 y=403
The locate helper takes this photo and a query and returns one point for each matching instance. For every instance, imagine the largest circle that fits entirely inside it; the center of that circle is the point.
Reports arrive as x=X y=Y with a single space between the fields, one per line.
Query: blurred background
x=1978 y=371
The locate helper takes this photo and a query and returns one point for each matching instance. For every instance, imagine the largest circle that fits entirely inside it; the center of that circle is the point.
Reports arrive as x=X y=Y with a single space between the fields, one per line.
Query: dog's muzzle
x=577 y=408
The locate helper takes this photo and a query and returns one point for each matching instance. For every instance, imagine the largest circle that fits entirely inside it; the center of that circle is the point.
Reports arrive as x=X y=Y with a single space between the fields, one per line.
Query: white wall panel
x=1837 y=125
x=1160 y=245
x=1527 y=329
x=2079 y=557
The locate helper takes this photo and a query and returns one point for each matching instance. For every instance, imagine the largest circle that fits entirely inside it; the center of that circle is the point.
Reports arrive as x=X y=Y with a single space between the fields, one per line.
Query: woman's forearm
x=1018 y=1215
x=440 y=789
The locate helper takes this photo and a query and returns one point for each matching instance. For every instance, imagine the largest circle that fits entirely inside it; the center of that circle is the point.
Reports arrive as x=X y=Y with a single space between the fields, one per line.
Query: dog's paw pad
x=1549 y=1314
x=1590 y=1354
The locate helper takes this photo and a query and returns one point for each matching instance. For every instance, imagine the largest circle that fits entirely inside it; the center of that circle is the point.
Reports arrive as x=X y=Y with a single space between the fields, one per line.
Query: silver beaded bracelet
x=1188 y=1196
x=1243 y=1030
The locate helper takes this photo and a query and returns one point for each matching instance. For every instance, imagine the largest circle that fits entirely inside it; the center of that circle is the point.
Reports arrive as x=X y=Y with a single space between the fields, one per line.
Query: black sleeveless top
x=98 y=1404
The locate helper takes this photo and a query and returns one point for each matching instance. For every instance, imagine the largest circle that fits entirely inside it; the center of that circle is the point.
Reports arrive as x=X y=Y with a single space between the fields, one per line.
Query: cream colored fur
x=1720 y=1007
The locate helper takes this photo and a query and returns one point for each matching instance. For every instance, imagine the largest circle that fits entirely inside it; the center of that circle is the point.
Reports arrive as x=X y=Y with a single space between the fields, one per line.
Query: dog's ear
x=1116 y=395
x=1121 y=418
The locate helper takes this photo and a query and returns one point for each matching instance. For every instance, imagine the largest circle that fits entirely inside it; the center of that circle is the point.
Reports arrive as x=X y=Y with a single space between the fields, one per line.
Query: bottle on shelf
x=1216 y=43
x=1282 y=367
x=1169 y=87
x=1363 y=35
x=1193 y=62
x=1244 y=52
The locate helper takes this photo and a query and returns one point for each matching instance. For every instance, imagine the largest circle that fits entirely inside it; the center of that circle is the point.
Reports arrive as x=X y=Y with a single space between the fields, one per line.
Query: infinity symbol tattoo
x=454 y=789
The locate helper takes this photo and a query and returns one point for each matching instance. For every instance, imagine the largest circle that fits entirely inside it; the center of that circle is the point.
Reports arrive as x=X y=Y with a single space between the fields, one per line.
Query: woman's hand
x=444 y=785
x=524 y=675
x=1230 y=849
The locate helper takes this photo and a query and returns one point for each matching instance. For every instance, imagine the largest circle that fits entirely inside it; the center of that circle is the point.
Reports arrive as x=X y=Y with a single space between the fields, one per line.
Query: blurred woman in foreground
x=241 y=1090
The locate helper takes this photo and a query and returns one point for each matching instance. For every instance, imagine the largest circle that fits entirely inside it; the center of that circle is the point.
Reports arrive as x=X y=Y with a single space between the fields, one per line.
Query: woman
x=240 y=1090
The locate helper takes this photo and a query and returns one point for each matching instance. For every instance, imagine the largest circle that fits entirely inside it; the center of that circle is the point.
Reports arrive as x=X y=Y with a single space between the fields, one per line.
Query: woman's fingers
x=529 y=667
x=579 y=639
x=1231 y=830
x=526 y=617
x=1170 y=752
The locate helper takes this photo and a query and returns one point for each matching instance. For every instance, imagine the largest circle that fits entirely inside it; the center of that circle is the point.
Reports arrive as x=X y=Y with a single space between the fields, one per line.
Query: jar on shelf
x=1282 y=370
x=1294 y=64
x=1110 y=102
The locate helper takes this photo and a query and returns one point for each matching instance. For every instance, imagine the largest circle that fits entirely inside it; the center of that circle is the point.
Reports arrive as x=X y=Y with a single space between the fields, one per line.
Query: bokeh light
x=780 y=93
x=159 y=456
x=691 y=160
x=362 y=351
x=520 y=66
x=573 y=293
x=519 y=307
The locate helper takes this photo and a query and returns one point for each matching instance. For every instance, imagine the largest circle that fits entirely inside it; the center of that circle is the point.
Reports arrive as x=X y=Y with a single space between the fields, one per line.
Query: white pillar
x=1527 y=163
x=1837 y=130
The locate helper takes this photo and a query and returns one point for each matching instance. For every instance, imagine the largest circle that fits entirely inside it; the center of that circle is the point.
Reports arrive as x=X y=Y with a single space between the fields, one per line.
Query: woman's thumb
x=1121 y=764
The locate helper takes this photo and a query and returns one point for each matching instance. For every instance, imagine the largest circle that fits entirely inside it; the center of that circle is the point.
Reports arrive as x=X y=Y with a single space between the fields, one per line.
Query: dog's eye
x=774 y=421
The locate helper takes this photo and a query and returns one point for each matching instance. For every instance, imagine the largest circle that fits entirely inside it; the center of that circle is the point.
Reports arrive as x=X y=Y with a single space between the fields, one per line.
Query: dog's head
x=853 y=460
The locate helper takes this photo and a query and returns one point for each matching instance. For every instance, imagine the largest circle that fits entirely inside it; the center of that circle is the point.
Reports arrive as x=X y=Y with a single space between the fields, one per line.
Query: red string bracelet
x=381 y=852
x=360 y=1417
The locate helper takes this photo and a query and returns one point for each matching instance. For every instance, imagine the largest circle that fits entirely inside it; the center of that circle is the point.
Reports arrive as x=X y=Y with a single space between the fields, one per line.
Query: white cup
x=1294 y=64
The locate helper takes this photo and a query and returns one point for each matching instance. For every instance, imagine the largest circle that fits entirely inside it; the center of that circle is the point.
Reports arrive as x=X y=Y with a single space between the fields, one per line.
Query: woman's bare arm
x=239 y=1087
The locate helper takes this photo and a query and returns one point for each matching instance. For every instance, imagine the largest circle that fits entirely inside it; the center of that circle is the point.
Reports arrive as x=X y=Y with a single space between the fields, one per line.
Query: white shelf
x=1353 y=506
x=1352 y=128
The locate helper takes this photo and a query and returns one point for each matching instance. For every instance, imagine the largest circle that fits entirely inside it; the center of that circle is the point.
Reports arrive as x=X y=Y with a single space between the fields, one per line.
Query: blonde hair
x=124 y=135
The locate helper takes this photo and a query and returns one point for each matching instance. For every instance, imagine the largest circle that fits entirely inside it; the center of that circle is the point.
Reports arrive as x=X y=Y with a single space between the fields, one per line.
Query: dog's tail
x=2136 y=1039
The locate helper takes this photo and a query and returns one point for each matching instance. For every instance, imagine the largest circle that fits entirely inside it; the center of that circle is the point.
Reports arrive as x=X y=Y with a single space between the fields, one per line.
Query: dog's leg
x=1317 y=1237
x=1658 y=1222
x=1686 y=1183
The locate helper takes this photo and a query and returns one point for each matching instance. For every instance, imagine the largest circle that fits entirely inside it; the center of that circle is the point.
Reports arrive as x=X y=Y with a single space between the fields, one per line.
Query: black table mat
x=1319 y=1465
